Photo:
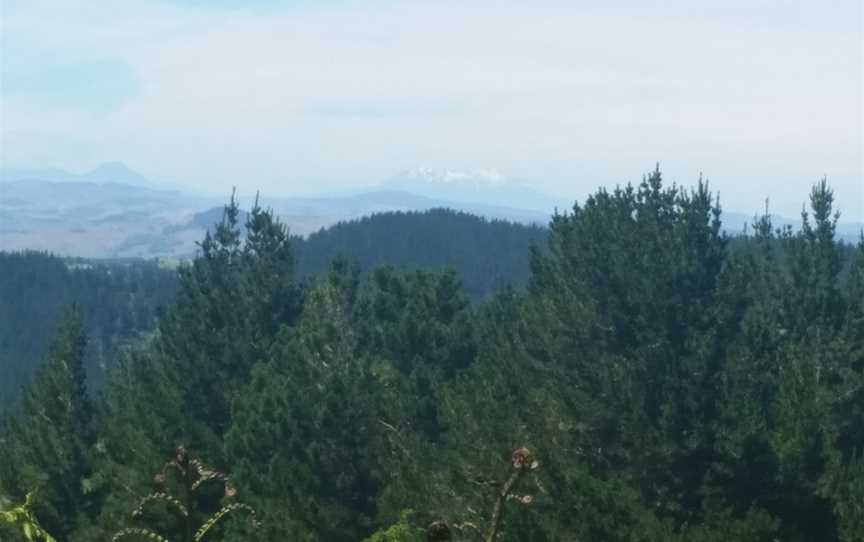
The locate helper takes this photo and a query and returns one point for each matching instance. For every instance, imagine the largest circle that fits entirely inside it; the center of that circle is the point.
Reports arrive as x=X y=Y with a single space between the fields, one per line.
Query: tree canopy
x=671 y=383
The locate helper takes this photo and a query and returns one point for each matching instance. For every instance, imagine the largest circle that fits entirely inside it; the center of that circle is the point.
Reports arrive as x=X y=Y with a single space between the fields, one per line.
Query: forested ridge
x=649 y=384
x=118 y=301
x=488 y=255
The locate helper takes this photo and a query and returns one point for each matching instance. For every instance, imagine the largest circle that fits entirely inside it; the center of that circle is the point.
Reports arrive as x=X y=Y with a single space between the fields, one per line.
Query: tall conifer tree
x=48 y=435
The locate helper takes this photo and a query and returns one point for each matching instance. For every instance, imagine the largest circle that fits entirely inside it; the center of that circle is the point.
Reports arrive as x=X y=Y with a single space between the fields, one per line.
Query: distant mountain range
x=108 y=172
x=113 y=211
x=486 y=187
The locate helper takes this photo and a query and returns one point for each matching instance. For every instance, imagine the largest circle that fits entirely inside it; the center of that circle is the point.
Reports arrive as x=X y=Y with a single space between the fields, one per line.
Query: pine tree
x=49 y=435
x=786 y=371
x=231 y=304
x=303 y=430
x=179 y=387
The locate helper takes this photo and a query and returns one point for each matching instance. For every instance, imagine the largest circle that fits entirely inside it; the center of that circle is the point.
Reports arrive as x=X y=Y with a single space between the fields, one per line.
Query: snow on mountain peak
x=427 y=174
x=479 y=186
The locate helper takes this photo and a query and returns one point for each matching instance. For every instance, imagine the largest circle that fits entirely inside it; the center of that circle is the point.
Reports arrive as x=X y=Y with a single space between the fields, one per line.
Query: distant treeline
x=120 y=299
x=118 y=302
x=486 y=255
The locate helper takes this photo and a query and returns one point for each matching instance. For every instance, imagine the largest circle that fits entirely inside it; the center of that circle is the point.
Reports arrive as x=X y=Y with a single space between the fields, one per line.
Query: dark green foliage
x=118 y=302
x=676 y=385
x=230 y=304
x=46 y=438
x=403 y=531
x=304 y=426
x=487 y=255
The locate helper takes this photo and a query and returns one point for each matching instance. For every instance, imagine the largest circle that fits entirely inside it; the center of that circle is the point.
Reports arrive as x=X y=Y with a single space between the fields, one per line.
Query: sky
x=303 y=97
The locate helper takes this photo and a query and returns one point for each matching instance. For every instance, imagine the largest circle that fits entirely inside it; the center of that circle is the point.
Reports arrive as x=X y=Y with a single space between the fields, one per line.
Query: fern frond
x=193 y=473
x=21 y=515
x=164 y=497
x=145 y=533
x=162 y=476
x=215 y=518
x=206 y=476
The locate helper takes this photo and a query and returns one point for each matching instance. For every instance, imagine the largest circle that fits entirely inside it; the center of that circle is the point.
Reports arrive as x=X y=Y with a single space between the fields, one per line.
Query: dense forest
x=118 y=302
x=120 y=299
x=649 y=384
x=488 y=255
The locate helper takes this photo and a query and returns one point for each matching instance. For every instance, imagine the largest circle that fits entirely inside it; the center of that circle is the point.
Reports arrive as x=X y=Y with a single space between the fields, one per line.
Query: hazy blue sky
x=764 y=97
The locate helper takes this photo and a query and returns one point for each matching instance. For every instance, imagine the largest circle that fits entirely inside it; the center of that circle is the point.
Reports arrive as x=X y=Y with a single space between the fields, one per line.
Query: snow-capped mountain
x=445 y=176
x=484 y=186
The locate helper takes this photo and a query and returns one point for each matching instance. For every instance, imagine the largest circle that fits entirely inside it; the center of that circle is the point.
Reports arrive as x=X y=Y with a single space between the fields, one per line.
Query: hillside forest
x=120 y=300
x=653 y=380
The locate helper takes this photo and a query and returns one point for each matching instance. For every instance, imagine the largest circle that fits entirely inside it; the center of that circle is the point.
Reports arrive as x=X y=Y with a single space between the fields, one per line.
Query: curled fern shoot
x=188 y=476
